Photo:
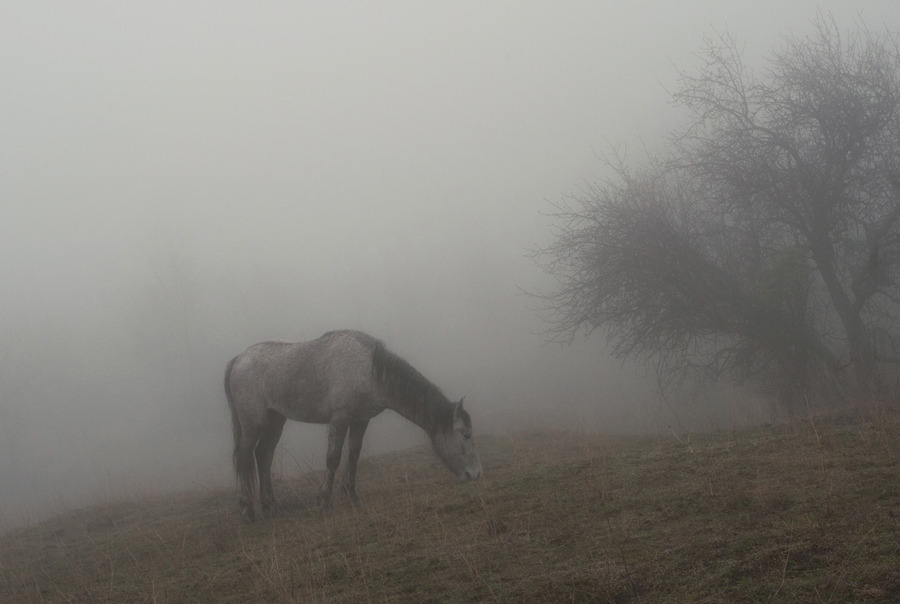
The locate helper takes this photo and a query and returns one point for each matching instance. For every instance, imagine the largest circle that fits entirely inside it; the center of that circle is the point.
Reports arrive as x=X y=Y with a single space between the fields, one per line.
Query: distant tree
x=764 y=243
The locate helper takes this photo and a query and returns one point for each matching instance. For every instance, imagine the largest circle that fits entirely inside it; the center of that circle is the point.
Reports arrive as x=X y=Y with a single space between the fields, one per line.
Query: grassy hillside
x=808 y=512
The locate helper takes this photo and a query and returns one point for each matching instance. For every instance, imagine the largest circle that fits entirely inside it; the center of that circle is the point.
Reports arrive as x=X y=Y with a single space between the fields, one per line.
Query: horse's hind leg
x=265 y=451
x=354 y=446
x=336 y=435
x=243 y=465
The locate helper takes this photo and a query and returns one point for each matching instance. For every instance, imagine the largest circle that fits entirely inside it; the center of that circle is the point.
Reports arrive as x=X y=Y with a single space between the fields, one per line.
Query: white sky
x=330 y=133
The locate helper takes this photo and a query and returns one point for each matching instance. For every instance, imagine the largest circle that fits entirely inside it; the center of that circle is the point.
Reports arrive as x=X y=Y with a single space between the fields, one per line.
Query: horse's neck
x=420 y=410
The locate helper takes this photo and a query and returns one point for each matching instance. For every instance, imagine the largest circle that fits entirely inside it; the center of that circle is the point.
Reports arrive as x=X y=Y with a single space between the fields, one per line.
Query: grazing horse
x=343 y=379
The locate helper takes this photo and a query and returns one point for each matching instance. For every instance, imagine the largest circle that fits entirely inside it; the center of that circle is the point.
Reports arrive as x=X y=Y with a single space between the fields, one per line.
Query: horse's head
x=454 y=445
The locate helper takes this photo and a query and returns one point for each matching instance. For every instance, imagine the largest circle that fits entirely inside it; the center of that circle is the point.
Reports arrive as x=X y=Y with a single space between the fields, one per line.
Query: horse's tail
x=235 y=420
x=237 y=432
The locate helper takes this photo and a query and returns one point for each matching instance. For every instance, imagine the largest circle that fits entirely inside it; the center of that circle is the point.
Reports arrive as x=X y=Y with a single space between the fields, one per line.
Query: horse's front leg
x=357 y=431
x=336 y=435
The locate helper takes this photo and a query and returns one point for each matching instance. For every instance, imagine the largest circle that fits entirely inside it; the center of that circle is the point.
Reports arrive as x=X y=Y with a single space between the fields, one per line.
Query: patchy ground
x=806 y=512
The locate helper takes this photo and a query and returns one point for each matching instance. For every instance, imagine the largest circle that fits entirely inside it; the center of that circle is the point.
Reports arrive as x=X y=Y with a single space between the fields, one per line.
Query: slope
x=808 y=511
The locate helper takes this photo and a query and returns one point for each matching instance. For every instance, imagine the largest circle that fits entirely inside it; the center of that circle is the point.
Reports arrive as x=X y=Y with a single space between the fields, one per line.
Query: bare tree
x=765 y=242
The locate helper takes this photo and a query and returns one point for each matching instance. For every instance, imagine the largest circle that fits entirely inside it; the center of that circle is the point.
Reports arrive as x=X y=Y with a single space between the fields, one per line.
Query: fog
x=179 y=181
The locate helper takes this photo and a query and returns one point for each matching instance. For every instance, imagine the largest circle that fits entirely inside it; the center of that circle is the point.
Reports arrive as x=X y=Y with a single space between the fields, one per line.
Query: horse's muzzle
x=470 y=474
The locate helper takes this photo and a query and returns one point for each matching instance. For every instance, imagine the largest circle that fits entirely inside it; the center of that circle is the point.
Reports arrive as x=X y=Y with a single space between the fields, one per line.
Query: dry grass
x=806 y=512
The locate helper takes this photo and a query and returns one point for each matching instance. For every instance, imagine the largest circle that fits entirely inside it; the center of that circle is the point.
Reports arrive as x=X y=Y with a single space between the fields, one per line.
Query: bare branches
x=774 y=217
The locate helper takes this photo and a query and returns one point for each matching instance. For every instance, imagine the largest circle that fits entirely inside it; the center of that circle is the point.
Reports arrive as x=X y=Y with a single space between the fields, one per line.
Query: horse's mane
x=399 y=377
x=411 y=389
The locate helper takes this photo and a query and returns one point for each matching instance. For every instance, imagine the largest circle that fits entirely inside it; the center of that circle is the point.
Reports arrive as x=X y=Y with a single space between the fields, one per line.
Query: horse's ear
x=457 y=408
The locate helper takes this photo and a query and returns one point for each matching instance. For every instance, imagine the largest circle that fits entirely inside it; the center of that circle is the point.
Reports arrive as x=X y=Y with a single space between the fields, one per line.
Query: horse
x=342 y=379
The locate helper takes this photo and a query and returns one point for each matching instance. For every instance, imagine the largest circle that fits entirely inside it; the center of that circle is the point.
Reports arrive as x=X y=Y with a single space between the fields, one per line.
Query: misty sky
x=179 y=180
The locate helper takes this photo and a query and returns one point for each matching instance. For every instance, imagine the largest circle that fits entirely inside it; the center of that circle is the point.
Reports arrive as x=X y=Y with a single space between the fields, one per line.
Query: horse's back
x=305 y=381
